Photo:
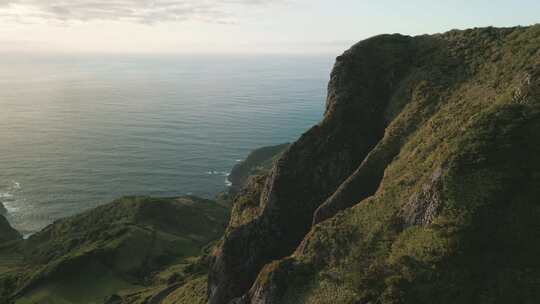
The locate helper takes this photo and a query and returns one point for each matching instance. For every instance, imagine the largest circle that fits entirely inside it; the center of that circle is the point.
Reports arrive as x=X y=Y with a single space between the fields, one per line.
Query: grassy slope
x=479 y=128
x=475 y=127
x=137 y=247
x=249 y=177
x=118 y=246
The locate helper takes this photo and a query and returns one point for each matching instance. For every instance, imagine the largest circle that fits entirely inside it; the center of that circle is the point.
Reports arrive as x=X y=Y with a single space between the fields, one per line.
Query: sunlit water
x=78 y=131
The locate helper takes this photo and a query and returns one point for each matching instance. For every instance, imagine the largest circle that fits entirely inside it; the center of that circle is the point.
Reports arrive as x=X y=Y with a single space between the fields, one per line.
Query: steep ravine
x=424 y=137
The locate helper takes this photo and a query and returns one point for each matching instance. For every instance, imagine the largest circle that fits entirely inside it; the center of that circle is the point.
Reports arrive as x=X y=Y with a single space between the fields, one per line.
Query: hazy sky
x=237 y=26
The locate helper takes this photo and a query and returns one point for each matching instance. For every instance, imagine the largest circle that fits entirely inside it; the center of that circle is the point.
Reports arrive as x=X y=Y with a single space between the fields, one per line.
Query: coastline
x=258 y=160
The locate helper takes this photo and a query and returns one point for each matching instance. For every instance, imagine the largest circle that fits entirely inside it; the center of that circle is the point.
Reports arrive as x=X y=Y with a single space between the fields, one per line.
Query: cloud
x=140 y=11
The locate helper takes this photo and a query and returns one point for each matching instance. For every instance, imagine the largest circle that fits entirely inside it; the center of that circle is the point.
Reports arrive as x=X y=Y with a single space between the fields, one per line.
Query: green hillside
x=420 y=185
x=123 y=246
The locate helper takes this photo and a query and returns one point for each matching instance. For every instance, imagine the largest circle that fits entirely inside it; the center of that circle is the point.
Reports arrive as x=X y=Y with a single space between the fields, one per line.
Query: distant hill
x=259 y=161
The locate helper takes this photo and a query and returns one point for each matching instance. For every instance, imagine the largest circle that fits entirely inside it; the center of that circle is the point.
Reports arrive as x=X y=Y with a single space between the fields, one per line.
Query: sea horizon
x=80 y=130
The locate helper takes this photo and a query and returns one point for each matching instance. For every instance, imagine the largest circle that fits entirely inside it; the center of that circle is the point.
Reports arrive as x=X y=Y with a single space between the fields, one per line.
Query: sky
x=237 y=26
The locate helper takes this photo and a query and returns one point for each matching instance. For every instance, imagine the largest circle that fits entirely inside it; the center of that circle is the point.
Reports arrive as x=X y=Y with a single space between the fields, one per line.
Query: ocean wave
x=228 y=183
x=12 y=186
x=222 y=173
x=7 y=196
x=15 y=185
x=9 y=191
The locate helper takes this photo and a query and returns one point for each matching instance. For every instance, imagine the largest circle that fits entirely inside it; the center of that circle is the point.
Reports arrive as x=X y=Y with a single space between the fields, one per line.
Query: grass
x=128 y=243
x=479 y=122
x=94 y=286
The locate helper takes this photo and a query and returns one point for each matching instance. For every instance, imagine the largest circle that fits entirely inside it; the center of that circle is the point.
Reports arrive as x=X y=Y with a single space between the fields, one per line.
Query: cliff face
x=421 y=182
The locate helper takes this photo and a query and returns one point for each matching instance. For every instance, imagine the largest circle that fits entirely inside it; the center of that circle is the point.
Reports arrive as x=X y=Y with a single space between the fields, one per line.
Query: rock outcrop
x=399 y=195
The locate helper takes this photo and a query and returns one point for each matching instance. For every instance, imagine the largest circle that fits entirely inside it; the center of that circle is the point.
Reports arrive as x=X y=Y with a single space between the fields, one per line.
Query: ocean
x=77 y=131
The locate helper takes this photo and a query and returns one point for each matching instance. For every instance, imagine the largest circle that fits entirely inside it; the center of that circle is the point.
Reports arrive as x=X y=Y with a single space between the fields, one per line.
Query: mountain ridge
x=421 y=182
x=391 y=98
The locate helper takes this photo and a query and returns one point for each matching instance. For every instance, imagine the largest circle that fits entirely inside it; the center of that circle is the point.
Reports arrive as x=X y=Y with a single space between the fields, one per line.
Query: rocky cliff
x=421 y=182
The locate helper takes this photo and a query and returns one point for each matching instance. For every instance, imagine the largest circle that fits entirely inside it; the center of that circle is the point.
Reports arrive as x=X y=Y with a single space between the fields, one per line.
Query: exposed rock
x=425 y=205
x=246 y=203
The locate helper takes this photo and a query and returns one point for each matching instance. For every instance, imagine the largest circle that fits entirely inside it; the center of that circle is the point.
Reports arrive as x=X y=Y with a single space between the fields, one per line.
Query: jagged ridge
x=426 y=138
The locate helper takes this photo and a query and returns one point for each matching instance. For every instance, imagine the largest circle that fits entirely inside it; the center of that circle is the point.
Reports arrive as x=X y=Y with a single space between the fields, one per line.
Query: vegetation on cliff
x=421 y=182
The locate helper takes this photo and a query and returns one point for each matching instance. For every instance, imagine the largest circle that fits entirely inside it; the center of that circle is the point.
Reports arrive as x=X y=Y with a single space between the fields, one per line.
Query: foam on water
x=226 y=174
x=8 y=196
x=221 y=173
